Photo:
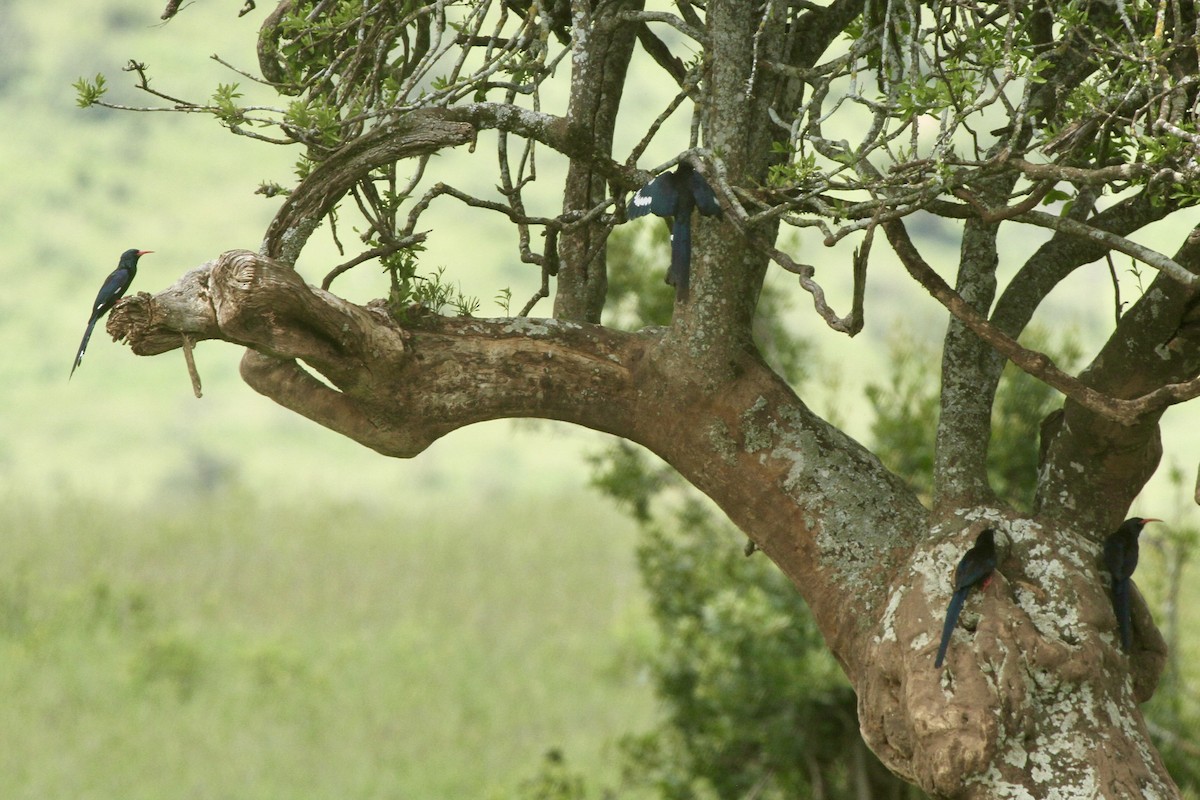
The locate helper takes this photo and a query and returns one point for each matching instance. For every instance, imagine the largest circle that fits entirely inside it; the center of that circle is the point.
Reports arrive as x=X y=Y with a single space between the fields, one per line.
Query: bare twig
x=190 y=360
x=377 y=252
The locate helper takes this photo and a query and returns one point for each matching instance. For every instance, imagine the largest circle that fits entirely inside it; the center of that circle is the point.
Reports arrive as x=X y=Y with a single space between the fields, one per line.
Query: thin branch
x=737 y=215
x=693 y=32
x=1112 y=272
x=543 y=291
x=378 y=252
x=1037 y=364
x=657 y=49
x=989 y=215
x=1151 y=258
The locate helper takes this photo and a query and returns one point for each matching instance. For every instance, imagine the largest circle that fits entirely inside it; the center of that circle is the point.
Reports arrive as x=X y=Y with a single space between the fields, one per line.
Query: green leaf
x=1055 y=196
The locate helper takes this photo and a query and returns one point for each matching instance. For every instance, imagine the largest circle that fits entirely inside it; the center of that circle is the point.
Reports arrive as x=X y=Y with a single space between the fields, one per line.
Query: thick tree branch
x=964 y=428
x=1154 y=352
x=1064 y=253
x=815 y=501
x=1111 y=241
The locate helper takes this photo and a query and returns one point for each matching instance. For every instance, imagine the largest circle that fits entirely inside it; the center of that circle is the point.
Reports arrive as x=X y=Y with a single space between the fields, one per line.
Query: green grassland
x=231 y=648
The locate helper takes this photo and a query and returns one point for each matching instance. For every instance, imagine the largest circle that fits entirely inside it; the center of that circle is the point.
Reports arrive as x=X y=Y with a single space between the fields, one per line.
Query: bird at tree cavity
x=115 y=286
x=675 y=194
x=974 y=569
x=1120 y=559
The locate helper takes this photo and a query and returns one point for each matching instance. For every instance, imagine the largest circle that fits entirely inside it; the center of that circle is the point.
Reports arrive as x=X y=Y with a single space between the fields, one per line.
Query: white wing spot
x=640 y=200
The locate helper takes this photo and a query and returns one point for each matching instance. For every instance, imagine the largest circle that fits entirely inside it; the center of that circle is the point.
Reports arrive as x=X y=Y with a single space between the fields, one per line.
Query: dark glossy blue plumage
x=676 y=194
x=975 y=568
x=1120 y=559
x=113 y=289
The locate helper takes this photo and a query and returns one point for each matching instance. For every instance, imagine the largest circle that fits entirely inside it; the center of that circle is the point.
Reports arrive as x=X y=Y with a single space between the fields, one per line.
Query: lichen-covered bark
x=1035 y=697
x=1095 y=467
x=965 y=422
x=598 y=65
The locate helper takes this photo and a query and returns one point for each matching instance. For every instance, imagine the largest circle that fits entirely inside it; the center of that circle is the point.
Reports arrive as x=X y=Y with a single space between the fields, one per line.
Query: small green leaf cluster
x=503 y=299
x=312 y=41
x=224 y=100
x=431 y=293
x=796 y=169
x=88 y=92
x=317 y=118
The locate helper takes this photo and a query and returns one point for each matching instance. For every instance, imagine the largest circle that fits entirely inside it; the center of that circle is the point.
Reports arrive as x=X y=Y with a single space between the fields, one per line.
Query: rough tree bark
x=1037 y=700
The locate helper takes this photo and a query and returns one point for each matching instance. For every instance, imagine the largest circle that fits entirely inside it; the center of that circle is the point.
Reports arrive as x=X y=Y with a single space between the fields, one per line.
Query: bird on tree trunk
x=1120 y=559
x=975 y=569
x=113 y=289
x=675 y=194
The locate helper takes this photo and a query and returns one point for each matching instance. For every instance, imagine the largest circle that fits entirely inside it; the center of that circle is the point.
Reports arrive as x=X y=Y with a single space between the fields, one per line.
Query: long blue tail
x=83 y=346
x=1120 y=590
x=952 y=612
x=679 y=275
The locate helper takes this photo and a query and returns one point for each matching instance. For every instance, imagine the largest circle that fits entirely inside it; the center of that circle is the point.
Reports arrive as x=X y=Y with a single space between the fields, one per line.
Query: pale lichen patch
x=755 y=435
x=530 y=326
x=1000 y=787
x=888 y=623
x=1016 y=755
x=936 y=567
x=722 y=442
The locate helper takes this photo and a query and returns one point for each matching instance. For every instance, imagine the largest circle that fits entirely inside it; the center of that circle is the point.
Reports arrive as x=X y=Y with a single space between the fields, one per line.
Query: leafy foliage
x=906 y=415
x=755 y=704
x=432 y=293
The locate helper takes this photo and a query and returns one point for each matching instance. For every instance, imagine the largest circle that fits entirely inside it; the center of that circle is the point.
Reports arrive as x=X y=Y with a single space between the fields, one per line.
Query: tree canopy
x=856 y=120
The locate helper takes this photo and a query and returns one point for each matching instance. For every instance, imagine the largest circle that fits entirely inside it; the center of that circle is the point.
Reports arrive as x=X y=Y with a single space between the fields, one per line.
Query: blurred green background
x=215 y=597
